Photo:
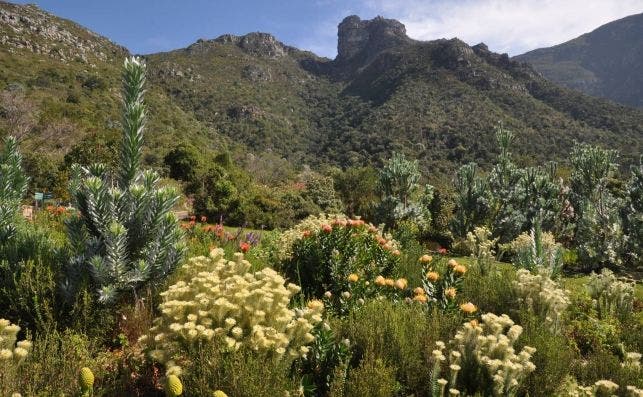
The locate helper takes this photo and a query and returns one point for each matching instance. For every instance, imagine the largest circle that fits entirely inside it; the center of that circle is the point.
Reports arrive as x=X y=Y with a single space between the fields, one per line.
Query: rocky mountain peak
x=256 y=43
x=357 y=36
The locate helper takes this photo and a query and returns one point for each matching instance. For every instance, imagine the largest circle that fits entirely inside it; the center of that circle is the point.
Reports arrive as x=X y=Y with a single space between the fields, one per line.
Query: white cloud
x=512 y=26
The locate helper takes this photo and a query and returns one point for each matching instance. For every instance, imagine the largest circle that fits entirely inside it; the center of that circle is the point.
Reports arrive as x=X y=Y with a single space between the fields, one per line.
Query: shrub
x=242 y=373
x=12 y=355
x=333 y=257
x=222 y=301
x=613 y=297
x=372 y=378
x=442 y=282
x=399 y=334
x=482 y=248
x=13 y=186
x=537 y=251
x=543 y=297
x=489 y=363
x=125 y=237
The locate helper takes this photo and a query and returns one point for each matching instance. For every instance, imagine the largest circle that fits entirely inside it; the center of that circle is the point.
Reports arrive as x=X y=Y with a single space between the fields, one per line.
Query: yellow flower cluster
x=9 y=349
x=481 y=245
x=601 y=388
x=315 y=223
x=489 y=344
x=223 y=300
x=543 y=296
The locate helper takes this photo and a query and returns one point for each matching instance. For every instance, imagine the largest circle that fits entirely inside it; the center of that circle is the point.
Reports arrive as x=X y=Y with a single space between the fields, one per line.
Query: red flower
x=193 y=218
x=204 y=219
x=327 y=228
x=244 y=247
x=442 y=250
x=306 y=233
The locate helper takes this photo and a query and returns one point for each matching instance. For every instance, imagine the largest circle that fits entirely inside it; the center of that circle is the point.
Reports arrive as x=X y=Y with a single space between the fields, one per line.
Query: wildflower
x=173 y=386
x=450 y=292
x=468 y=308
x=420 y=298
x=353 y=277
x=204 y=219
x=381 y=281
x=346 y=295
x=401 y=283
x=419 y=291
x=452 y=263
x=327 y=228
x=306 y=233
x=460 y=270
x=425 y=258
x=442 y=251
x=433 y=276
x=219 y=393
x=389 y=282
x=396 y=252
x=328 y=294
x=244 y=246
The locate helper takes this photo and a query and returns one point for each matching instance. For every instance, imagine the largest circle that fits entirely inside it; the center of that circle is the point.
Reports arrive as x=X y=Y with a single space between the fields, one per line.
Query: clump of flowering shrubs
x=483 y=357
x=12 y=354
x=223 y=301
x=203 y=236
x=441 y=284
x=601 y=388
x=542 y=296
x=612 y=296
x=338 y=259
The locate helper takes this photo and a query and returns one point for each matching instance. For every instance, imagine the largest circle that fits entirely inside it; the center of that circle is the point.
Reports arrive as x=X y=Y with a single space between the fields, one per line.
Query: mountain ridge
x=605 y=62
x=438 y=101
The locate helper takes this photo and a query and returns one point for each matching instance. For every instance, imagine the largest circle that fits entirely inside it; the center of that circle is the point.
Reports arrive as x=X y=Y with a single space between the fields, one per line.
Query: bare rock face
x=368 y=37
x=258 y=44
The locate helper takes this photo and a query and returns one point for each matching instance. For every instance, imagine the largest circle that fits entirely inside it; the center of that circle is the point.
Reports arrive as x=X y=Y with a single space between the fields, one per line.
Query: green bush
x=322 y=259
x=244 y=373
x=372 y=378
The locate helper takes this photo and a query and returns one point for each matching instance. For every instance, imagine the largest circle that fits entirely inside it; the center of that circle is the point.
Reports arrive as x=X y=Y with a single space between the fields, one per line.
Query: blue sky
x=512 y=26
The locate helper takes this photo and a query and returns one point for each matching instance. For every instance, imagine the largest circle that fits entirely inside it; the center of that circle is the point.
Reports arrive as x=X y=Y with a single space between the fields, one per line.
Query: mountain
x=438 y=101
x=607 y=62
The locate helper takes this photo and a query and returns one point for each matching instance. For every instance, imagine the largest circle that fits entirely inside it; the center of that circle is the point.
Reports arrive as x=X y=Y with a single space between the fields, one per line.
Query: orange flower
x=450 y=293
x=452 y=263
x=396 y=252
x=381 y=281
x=353 y=277
x=419 y=291
x=426 y=258
x=420 y=298
x=460 y=270
x=327 y=228
x=468 y=308
x=306 y=233
x=381 y=240
x=389 y=282
x=244 y=247
x=433 y=276
x=401 y=283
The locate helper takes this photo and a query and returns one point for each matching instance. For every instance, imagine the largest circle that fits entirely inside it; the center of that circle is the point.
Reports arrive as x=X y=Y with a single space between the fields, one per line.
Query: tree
x=125 y=236
x=599 y=228
x=471 y=203
x=357 y=188
x=633 y=215
x=403 y=198
x=13 y=186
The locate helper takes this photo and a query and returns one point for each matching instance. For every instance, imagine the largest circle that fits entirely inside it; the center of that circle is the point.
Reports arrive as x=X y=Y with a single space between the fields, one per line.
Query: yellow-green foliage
x=313 y=224
x=222 y=300
x=543 y=296
x=10 y=351
x=489 y=346
x=612 y=296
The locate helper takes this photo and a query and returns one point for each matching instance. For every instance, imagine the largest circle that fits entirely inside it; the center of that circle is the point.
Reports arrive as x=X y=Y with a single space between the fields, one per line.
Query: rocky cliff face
x=258 y=44
x=368 y=37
